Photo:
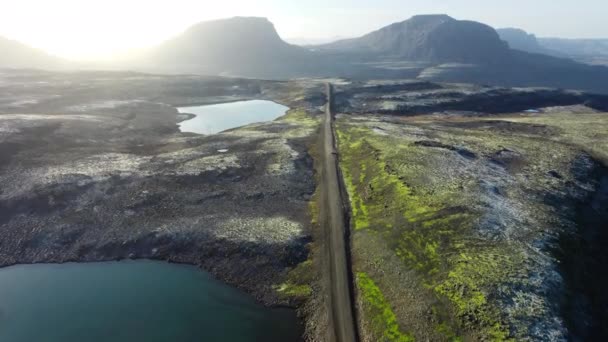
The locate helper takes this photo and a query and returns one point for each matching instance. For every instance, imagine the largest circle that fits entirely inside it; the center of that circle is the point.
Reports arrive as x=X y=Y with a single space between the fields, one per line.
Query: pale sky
x=91 y=29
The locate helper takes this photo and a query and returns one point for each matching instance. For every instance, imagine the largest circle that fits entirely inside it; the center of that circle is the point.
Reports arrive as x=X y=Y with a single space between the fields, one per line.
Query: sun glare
x=85 y=30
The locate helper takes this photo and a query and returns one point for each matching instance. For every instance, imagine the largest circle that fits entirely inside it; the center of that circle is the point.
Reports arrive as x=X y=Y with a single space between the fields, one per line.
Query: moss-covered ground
x=458 y=204
x=384 y=322
x=298 y=285
x=304 y=284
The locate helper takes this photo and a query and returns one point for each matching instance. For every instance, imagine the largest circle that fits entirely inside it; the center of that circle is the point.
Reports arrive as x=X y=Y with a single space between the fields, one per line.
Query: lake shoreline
x=181 y=117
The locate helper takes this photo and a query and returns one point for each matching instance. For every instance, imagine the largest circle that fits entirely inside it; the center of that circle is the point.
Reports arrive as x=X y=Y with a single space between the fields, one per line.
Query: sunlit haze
x=96 y=29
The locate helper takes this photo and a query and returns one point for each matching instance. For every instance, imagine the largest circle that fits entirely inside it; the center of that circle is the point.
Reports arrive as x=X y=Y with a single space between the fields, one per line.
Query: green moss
x=299 y=280
x=301 y=124
x=298 y=283
x=426 y=222
x=382 y=201
x=301 y=117
x=294 y=290
x=313 y=208
x=383 y=319
x=445 y=330
x=465 y=285
x=423 y=204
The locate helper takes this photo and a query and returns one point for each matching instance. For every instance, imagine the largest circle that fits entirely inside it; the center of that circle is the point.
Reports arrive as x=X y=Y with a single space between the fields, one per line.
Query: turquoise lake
x=132 y=301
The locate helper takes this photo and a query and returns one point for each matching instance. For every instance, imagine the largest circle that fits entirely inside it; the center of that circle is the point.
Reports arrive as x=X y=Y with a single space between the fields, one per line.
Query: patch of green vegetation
x=302 y=123
x=445 y=330
x=298 y=283
x=383 y=319
x=418 y=225
x=589 y=130
x=292 y=290
x=465 y=283
x=313 y=207
x=427 y=221
x=301 y=117
x=300 y=279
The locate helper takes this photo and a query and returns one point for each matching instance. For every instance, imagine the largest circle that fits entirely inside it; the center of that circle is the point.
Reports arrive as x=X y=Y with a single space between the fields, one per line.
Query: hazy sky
x=87 y=29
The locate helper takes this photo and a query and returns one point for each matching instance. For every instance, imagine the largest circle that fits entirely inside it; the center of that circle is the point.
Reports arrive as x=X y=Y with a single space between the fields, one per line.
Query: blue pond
x=132 y=301
x=216 y=118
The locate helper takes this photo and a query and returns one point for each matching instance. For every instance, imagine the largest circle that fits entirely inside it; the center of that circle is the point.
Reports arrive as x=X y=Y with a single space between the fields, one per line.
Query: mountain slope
x=436 y=38
x=575 y=47
x=521 y=40
x=446 y=49
x=244 y=46
x=590 y=51
x=18 y=55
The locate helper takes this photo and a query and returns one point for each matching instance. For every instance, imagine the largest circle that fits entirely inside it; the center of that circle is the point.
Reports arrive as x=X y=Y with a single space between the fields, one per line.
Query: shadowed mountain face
x=238 y=46
x=521 y=40
x=17 y=55
x=435 y=38
x=464 y=51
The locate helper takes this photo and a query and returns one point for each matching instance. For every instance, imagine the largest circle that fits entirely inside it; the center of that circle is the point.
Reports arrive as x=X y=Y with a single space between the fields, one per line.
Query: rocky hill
x=18 y=55
x=238 y=46
x=436 y=38
x=440 y=48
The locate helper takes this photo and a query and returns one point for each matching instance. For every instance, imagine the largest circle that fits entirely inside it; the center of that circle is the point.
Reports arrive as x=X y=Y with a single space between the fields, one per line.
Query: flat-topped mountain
x=17 y=55
x=436 y=38
x=237 y=46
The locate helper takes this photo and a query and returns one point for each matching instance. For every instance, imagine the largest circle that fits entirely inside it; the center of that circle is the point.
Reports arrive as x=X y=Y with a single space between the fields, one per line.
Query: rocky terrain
x=415 y=97
x=476 y=212
x=475 y=222
x=92 y=167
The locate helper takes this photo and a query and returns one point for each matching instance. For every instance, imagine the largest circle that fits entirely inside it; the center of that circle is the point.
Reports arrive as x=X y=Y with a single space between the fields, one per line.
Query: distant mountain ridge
x=574 y=47
x=304 y=41
x=14 y=54
x=436 y=38
x=521 y=40
x=590 y=51
x=430 y=47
